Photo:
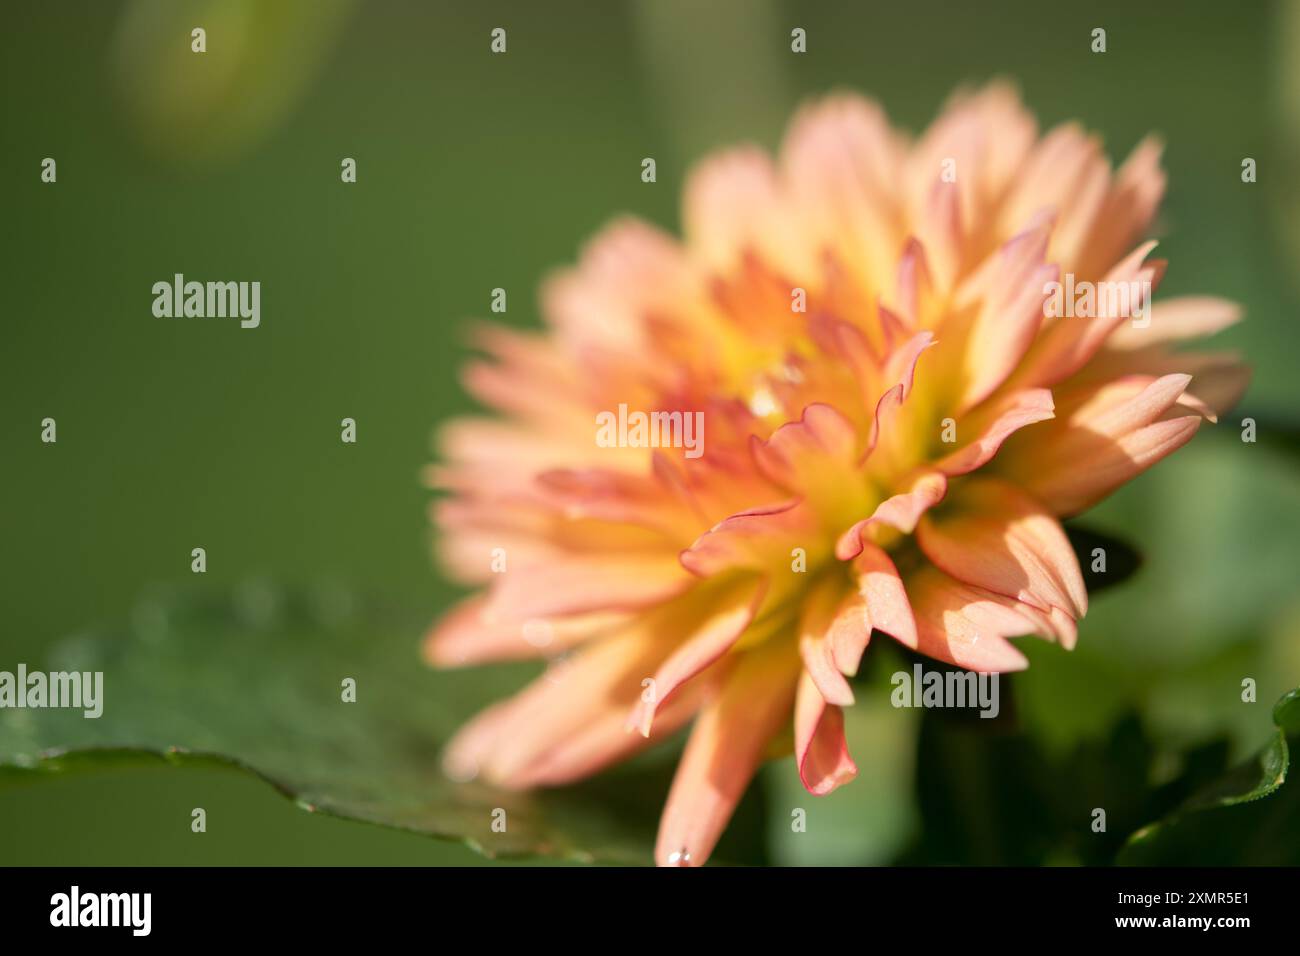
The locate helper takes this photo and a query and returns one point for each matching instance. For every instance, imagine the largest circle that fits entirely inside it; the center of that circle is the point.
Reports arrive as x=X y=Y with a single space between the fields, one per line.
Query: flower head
x=856 y=398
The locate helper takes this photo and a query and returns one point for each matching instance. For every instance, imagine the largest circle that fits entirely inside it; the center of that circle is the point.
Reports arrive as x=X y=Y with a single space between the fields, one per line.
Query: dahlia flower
x=894 y=420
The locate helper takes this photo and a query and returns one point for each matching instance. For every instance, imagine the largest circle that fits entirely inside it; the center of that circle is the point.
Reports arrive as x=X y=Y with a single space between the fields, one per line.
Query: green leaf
x=990 y=795
x=1247 y=815
x=253 y=680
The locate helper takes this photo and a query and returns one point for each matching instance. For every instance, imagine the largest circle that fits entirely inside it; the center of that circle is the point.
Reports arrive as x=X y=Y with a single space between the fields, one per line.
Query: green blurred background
x=477 y=171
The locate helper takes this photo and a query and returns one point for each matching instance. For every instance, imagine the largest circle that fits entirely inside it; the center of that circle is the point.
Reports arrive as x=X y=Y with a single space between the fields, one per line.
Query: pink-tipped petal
x=820 y=664
x=1117 y=462
x=902 y=512
x=1105 y=438
x=824 y=606
x=1068 y=343
x=748 y=539
x=604 y=739
x=840 y=159
x=849 y=634
x=504 y=741
x=995 y=536
x=731 y=612
x=629 y=270
x=465 y=637
x=882 y=590
x=1013 y=413
x=820 y=750
x=725 y=748
x=806 y=455
x=731 y=206
x=582 y=584
x=1172 y=320
x=966 y=625
x=1010 y=314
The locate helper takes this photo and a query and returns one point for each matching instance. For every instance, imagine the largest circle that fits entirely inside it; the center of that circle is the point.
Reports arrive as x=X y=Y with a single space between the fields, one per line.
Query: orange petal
x=1010 y=314
x=819 y=663
x=1172 y=320
x=939 y=228
x=993 y=535
x=527 y=367
x=731 y=206
x=502 y=742
x=1219 y=379
x=731 y=611
x=1067 y=344
x=968 y=626
x=900 y=366
x=1051 y=175
x=602 y=494
x=799 y=453
x=888 y=608
x=725 y=748
x=902 y=512
x=577 y=584
x=848 y=636
x=628 y=271
x=750 y=539
x=820 y=750
x=1016 y=411
x=464 y=636
x=1124 y=458
x=603 y=739
x=1102 y=440
x=1128 y=211
x=840 y=160
x=913 y=287
x=823 y=608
